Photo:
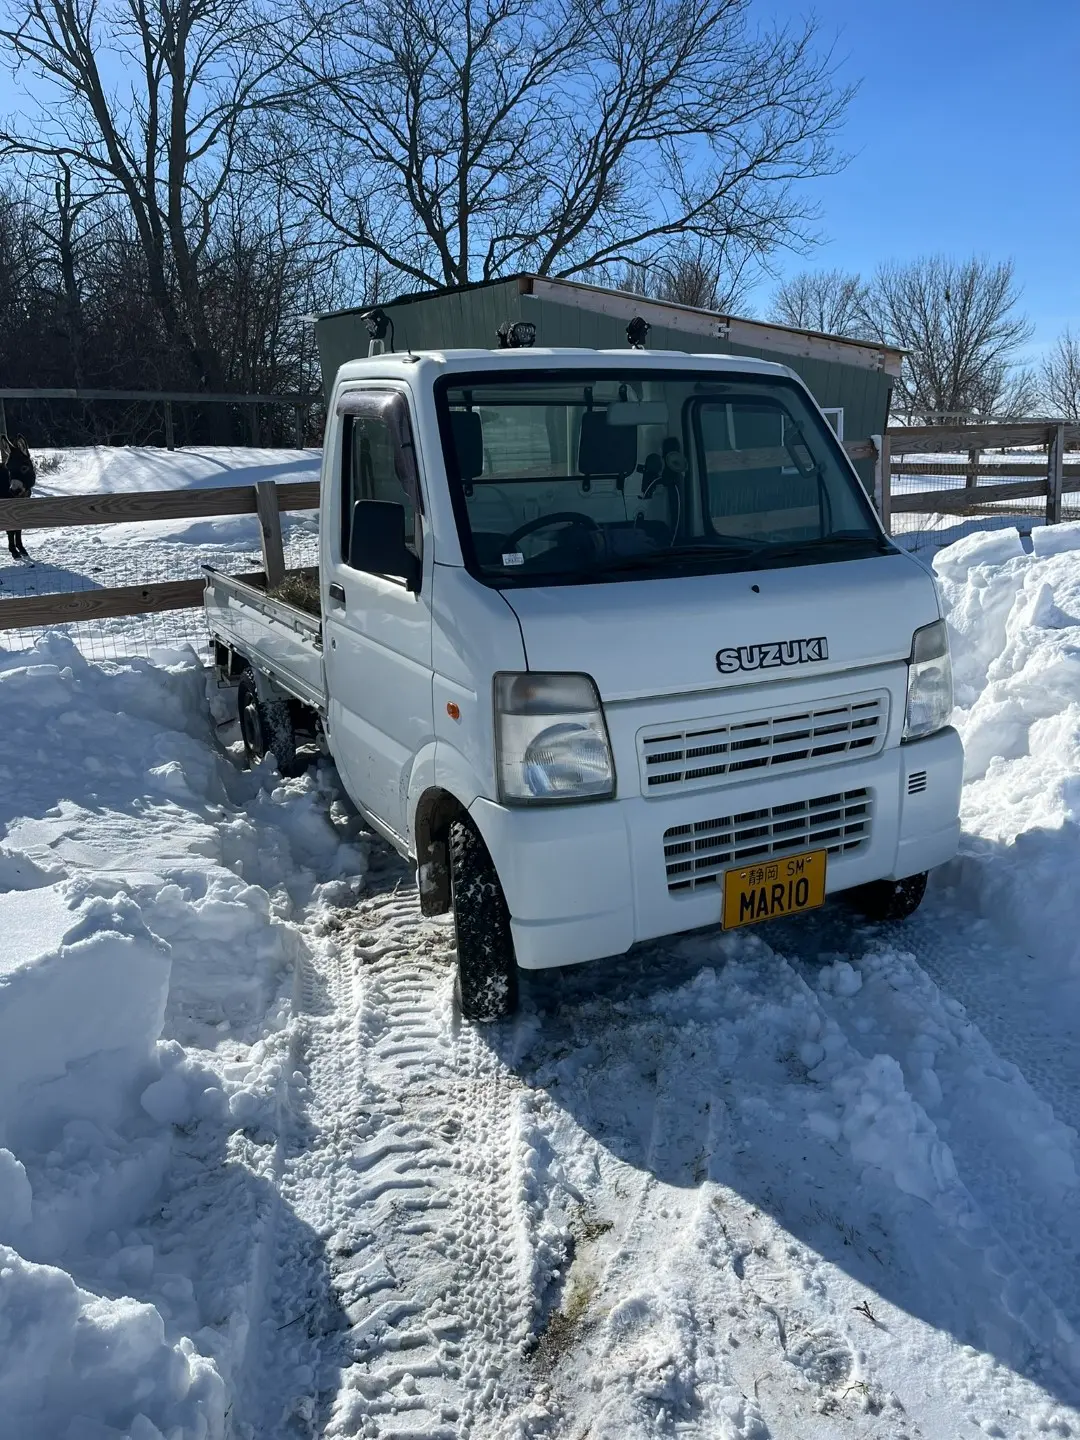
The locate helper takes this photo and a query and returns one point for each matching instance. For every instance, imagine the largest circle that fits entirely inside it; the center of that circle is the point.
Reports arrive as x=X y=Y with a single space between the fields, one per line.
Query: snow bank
x=78 y=1366
x=82 y=998
x=146 y=894
x=1014 y=619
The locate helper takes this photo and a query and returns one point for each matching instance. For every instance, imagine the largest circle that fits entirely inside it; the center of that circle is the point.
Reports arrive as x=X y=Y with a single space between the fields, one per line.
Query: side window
x=760 y=477
x=378 y=464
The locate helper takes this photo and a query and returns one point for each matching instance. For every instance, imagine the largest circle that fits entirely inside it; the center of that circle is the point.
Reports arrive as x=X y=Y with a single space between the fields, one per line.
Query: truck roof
x=399 y=362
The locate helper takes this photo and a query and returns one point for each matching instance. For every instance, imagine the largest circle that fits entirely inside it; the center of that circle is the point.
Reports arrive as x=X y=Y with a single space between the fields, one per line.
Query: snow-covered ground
x=257 y=1181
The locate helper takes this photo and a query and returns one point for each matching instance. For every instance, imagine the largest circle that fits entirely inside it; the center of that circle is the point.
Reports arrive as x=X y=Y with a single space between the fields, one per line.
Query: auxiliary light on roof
x=516 y=335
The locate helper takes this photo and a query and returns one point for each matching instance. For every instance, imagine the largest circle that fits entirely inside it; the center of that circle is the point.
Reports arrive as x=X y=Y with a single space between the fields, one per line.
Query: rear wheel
x=890 y=899
x=267 y=728
x=486 y=966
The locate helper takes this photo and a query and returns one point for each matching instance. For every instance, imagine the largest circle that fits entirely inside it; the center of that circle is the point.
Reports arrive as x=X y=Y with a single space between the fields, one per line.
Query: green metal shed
x=852 y=380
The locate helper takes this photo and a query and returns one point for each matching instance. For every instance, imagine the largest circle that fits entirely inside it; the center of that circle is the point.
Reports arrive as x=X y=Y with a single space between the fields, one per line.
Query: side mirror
x=377 y=542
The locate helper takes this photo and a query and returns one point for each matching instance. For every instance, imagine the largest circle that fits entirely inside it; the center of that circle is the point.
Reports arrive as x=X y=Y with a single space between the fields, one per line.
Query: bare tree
x=164 y=142
x=830 y=301
x=691 y=272
x=1059 y=378
x=455 y=140
x=958 y=322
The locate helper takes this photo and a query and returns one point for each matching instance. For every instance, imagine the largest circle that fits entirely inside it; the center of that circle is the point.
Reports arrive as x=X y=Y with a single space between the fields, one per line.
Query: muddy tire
x=890 y=899
x=486 y=966
x=267 y=728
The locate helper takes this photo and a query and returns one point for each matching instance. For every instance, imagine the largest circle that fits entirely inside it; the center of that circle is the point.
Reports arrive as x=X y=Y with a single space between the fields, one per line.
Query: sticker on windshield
x=514 y=558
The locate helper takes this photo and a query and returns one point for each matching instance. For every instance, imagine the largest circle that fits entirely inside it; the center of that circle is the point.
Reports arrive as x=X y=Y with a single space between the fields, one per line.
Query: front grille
x=702 y=753
x=698 y=854
x=916 y=782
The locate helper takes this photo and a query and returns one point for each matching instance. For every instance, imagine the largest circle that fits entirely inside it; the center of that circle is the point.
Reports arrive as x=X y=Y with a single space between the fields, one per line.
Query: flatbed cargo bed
x=281 y=640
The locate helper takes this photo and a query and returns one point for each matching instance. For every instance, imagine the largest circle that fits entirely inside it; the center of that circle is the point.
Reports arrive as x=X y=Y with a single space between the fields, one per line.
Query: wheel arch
x=436 y=810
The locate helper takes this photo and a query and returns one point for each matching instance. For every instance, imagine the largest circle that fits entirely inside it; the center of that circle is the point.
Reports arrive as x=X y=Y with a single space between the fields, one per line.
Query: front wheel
x=890 y=899
x=267 y=728
x=486 y=965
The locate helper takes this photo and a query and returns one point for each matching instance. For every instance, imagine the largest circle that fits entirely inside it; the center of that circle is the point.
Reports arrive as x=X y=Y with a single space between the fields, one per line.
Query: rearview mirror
x=377 y=542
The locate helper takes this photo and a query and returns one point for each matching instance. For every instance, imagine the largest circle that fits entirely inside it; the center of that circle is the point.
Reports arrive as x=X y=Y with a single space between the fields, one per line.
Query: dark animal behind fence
x=17 y=476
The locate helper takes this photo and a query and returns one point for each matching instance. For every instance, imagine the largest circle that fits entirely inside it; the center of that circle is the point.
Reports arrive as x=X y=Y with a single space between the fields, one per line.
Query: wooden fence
x=1012 y=478
x=269 y=500
x=266 y=499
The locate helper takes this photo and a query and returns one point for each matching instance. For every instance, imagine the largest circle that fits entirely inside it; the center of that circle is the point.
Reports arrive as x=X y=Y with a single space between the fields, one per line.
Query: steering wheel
x=541 y=522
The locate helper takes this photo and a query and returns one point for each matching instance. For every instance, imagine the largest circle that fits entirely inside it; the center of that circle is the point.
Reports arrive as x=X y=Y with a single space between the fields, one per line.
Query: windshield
x=564 y=477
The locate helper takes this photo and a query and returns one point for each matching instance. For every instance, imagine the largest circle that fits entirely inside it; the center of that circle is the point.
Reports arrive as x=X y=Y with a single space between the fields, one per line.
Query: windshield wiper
x=597 y=573
x=728 y=548
x=782 y=548
x=648 y=559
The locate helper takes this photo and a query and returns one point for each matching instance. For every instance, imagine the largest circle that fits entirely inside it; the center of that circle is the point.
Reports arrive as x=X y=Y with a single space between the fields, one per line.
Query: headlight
x=929 y=686
x=551 y=742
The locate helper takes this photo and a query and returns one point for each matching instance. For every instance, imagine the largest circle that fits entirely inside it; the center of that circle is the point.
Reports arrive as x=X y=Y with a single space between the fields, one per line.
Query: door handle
x=336 y=592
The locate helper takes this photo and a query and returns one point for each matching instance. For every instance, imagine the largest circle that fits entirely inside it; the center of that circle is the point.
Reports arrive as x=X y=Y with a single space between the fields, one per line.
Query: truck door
x=376 y=630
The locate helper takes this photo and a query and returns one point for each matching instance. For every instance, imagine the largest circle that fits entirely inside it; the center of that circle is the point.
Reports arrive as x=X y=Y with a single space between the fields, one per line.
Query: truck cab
x=614 y=646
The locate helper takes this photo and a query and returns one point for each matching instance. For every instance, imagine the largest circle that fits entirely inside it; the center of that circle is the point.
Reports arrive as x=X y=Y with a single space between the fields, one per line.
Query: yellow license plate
x=775 y=887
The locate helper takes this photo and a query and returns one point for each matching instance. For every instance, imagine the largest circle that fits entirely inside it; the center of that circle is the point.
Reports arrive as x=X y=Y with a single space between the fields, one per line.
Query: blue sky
x=965 y=138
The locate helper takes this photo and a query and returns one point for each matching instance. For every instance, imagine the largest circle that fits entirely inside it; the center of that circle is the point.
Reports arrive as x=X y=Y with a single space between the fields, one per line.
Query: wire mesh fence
x=932 y=529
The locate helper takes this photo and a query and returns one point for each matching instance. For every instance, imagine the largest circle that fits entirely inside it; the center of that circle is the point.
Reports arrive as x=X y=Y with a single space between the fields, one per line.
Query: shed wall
x=470 y=318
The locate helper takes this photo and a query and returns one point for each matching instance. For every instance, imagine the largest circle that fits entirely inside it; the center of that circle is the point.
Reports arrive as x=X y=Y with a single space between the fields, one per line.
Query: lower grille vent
x=699 y=853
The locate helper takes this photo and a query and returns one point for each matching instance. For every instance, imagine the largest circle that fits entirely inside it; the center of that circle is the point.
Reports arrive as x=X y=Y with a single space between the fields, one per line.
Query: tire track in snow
x=400 y=1160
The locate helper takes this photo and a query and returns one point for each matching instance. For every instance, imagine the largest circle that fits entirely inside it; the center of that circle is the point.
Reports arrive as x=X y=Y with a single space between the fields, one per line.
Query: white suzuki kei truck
x=612 y=645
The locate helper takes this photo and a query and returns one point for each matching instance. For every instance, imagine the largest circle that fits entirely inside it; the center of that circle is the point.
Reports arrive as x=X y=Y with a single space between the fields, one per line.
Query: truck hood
x=648 y=637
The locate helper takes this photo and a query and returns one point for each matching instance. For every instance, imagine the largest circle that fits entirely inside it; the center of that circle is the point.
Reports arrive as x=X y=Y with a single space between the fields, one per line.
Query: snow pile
x=78 y=1366
x=83 y=987
x=149 y=893
x=1014 y=618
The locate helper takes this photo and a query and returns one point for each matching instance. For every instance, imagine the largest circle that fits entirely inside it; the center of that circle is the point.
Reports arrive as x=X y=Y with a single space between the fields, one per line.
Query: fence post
x=1055 y=463
x=170 y=437
x=883 y=479
x=266 y=504
x=971 y=479
x=3 y=419
x=298 y=422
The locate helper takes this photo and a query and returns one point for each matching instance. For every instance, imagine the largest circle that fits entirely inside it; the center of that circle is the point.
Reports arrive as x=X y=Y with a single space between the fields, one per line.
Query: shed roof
x=689 y=319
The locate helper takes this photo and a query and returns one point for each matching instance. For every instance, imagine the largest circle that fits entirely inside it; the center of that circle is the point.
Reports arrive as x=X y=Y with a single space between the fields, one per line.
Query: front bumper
x=585 y=881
